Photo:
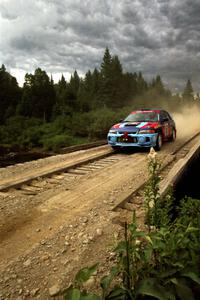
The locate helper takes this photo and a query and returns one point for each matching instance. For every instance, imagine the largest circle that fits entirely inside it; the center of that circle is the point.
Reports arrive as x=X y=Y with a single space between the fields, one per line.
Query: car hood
x=134 y=126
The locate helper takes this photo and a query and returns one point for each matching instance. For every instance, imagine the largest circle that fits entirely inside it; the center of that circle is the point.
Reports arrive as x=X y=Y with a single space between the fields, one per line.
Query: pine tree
x=86 y=93
x=72 y=91
x=62 y=84
x=158 y=85
x=10 y=94
x=111 y=74
x=104 y=94
x=141 y=84
x=188 y=91
x=117 y=92
x=129 y=87
x=106 y=65
x=96 y=86
x=38 y=96
x=60 y=89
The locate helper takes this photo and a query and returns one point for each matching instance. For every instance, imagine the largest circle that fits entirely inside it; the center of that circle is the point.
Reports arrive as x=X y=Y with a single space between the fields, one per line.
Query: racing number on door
x=166 y=125
x=166 y=130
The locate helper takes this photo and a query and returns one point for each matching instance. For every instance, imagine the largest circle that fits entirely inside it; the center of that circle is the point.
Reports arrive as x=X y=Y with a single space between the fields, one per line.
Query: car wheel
x=173 y=136
x=158 y=142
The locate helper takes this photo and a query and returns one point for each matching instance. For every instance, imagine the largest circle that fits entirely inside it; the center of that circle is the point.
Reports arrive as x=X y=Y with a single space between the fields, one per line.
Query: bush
x=78 y=128
x=94 y=124
x=56 y=142
x=17 y=130
x=162 y=263
x=101 y=121
x=61 y=124
x=189 y=212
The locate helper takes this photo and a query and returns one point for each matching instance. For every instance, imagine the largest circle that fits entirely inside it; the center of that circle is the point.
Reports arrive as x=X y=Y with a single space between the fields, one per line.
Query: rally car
x=143 y=128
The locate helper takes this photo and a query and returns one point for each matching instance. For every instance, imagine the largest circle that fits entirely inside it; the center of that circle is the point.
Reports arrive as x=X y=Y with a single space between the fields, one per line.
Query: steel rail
x=62 y=169
x=184 y=144
x=6 y=161
x=54 y=170
x=81 y=147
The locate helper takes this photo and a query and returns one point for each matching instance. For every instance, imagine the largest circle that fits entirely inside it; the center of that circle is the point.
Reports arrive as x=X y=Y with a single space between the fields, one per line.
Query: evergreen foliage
x=188 y=91
x=38 y=96
x=105 y=90
x=10 y=94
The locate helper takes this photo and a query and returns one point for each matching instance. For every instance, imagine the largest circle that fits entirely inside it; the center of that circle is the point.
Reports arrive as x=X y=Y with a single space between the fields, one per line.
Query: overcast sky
x=152 y=36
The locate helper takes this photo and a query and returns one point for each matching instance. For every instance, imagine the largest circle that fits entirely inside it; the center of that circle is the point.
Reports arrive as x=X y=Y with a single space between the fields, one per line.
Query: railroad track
x=63 y=198
x=55 y=176
x=69 y=172
x=134 y=200
x=22 y=157
x=53 y=170
x=82 y=147
x=40 y=214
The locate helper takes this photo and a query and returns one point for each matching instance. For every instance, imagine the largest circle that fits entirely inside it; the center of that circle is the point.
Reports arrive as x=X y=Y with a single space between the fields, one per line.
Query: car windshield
x=142 y=117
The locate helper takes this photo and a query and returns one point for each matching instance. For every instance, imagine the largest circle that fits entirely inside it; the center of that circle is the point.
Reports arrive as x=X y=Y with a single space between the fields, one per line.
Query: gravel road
x=47 y=237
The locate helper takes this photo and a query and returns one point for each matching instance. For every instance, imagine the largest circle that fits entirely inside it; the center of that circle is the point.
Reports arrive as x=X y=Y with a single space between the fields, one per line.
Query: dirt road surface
x=46 y=238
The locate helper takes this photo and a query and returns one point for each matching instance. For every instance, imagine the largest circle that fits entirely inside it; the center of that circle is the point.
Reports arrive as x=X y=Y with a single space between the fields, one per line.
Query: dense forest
x=51 y=115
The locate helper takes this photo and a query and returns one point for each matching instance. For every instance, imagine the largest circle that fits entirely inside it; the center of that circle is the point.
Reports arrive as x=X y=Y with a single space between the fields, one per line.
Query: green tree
x=24 y=107
x=111 y=75
x=105 y=92
x=188 y=91
x=158 y=85
x=10 y=94
x=141 y=84
x=61 y=107
x=72 y=91
x=106 y=64
x=129 y=87
x=117 y=93
x=157 y=88
x=38 y=96
x=86 y=93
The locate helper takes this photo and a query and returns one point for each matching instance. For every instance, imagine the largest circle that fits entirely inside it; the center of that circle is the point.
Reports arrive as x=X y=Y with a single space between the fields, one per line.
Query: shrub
x=61 y=124
x=188 y=212
x=19 y=131
x=159 y=264
x=56 y=142
x=102 y=120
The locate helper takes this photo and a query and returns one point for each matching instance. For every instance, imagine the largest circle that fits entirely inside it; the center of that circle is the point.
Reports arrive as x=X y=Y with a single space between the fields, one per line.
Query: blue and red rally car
x=143 y=128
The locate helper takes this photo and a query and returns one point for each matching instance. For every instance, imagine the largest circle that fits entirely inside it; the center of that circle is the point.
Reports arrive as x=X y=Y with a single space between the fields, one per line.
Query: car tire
x=173 y=136
x=158 y=142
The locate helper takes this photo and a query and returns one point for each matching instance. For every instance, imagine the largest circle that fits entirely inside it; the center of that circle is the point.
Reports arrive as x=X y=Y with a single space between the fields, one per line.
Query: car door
x=166 y=125
x=171 y=125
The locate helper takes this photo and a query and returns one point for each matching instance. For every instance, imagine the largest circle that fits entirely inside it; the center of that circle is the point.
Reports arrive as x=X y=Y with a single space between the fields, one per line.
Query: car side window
x=170 y=118
x=164 y=116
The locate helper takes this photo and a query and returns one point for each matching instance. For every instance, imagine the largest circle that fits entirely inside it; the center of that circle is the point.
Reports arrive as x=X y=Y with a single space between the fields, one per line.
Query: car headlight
x=113 y=131
x=146 y=131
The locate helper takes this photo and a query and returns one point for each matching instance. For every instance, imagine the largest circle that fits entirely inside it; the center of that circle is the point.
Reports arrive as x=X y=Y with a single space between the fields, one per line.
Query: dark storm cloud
x=185 y=14
x=26 y=43
x=154 y=36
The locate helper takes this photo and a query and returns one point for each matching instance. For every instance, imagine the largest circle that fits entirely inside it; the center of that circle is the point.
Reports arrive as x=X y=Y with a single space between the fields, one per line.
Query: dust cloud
x=187 y=121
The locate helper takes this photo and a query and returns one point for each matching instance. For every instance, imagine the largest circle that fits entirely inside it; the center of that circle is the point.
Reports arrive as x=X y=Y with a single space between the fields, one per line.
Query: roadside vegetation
x=48 y=116
x=160 y=262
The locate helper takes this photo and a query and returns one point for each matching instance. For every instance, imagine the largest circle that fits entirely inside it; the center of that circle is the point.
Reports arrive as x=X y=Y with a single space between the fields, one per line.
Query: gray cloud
x=154 y=36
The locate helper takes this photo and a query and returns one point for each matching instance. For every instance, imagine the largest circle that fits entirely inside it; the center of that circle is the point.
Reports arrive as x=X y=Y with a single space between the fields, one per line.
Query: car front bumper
x=133 y=140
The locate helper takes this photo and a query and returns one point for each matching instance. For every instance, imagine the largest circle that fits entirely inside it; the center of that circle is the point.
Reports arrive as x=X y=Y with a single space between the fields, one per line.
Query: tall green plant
x=152 y=195
x=158 y=211
x=161 y=263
